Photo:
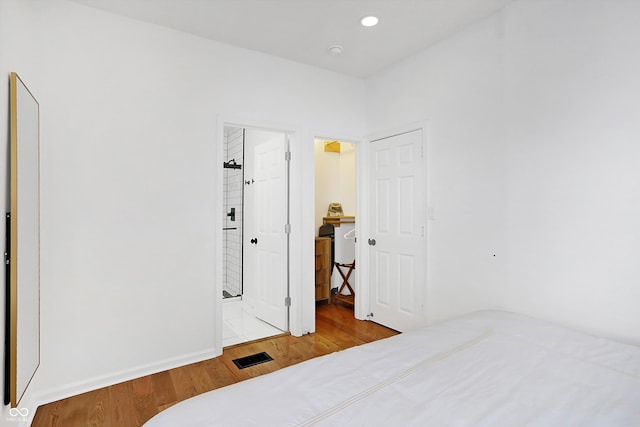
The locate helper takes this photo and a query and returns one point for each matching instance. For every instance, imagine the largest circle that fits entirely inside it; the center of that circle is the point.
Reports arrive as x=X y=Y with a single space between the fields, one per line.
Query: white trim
x=362 y=302
x=388 y=133
x=218 y=221
x=297 y=326
x=350 y=140
x=303 y=220
x=267 y=125
x=95 y=383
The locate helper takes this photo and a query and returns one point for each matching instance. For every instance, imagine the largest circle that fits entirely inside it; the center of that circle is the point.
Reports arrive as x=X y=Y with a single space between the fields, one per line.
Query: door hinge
x=287 y=229
x=287 y=301
x=287 y=156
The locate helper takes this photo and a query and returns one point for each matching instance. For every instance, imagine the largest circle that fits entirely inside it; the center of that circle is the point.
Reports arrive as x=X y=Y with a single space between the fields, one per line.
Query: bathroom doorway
x=255 y=240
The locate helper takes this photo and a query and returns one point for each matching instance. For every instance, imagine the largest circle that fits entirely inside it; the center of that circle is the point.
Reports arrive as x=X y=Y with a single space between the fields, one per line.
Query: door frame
x=358 y=143
x=218 y=192
x=363 y=305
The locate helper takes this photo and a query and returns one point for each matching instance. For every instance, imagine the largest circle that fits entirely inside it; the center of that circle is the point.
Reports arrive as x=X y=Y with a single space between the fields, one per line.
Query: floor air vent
x=254 y=359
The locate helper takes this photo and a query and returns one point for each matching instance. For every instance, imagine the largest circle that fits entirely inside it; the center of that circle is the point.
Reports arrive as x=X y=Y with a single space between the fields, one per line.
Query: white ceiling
x=302 y=30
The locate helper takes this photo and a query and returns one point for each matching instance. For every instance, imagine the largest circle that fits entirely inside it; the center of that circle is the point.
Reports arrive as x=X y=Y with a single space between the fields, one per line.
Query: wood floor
x=132 y=403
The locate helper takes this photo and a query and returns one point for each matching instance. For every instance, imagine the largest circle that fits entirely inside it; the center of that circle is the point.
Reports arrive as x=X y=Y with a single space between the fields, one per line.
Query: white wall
x=533 y=156
x=456 y=87
x=572 y=125
x=17 y=20
x=335 y=180
x=129 y=136
x=347 y=168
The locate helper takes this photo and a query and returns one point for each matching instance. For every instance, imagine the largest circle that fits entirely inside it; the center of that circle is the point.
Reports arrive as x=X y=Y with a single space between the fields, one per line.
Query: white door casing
x=265 y=239
x=397 y=231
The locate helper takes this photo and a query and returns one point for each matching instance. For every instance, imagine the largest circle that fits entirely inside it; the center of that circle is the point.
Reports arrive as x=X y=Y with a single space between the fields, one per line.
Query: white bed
x=488 y=368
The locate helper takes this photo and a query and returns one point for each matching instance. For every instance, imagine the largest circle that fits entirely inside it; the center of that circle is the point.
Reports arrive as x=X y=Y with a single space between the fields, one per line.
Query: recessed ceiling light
x=369 y=21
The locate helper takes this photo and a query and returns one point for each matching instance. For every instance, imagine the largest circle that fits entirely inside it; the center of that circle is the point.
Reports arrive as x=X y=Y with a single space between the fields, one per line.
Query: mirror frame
x=22 y=357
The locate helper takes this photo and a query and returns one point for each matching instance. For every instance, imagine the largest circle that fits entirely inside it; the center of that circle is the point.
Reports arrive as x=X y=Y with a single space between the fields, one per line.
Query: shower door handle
x=254 y=241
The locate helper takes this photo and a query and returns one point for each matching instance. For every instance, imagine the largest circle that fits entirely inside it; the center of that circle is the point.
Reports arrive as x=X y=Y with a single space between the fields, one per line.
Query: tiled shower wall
x=233 y=186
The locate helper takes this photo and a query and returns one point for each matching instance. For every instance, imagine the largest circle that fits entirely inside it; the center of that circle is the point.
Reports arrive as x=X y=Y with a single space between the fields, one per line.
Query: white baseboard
x=74 y=389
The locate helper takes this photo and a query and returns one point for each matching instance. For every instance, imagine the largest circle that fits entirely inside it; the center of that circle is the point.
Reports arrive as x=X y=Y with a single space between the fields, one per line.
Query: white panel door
x=397 y=242
x=265 y=241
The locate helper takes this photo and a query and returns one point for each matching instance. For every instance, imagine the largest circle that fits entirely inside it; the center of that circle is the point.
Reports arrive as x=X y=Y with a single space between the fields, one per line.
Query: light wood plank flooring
x=132 y=403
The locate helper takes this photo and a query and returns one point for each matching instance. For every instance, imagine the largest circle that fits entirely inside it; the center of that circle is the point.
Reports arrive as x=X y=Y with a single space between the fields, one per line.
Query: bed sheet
x=484 y=369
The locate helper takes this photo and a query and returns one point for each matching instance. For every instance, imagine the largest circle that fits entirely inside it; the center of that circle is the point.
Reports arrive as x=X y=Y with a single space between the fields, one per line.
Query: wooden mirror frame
x=23 y=237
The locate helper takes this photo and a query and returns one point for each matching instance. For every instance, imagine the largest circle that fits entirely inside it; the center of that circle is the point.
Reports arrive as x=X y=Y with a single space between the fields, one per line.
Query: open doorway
x=255 y=242
x=335 y=222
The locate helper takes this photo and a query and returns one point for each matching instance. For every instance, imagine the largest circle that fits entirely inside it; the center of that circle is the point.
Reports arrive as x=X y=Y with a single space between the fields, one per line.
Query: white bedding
x=488 y=368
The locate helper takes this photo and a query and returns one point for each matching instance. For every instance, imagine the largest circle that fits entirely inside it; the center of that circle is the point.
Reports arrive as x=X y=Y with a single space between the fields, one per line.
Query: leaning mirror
x=23 y=253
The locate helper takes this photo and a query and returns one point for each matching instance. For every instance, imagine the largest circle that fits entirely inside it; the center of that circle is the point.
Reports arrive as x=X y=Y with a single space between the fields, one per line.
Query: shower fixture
x=231 y=164
x=232 y=214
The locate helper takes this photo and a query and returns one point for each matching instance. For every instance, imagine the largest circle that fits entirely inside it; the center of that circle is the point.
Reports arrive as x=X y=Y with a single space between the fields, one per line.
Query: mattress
x=488 y=368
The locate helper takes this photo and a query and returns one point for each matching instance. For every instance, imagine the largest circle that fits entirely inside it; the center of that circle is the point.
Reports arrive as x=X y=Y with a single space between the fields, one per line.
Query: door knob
x=254 y=241
x=372 y=242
